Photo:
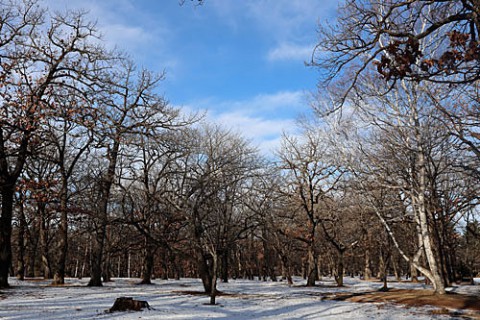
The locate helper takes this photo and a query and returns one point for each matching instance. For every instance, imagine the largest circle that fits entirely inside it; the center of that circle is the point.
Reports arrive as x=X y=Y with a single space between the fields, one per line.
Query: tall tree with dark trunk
x=34 y=64
x=70 y=132
x=149 y=179
x=311 y=175
x=212 y=195
x=129 y=109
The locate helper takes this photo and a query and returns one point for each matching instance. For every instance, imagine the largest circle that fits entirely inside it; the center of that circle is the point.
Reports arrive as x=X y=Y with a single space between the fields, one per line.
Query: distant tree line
x=100 y=177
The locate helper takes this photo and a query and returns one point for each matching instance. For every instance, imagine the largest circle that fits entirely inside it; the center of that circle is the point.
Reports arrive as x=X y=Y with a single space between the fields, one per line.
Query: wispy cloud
x=261 y=119
x=290 y=51
x=263 y=133
x=121 y=24
x=124 y=35
x=285 y=20
x=288 y=26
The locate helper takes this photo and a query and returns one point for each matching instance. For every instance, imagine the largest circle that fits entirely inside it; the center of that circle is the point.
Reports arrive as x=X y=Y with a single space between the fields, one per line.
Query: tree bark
x=6 y=233
x=148 y=261
x=44 y=242
x=106 y=268
x=435 y=276
x=20 y=272
x=312 y=266
x=102 y=219
x=224 y=255
x=97 y=250
x=340 y=268
x=213 y=289
x=62 y=245
x=416 y=258
x=204 y=272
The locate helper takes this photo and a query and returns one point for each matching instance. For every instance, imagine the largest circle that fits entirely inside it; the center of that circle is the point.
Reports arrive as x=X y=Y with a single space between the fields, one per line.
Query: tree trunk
x=32 y=251
x=62 y=246
x=88 y=248
x=213 y=289
x=367 y=273
x=413 y=273
x=204 y=272
x=6 y=233
x=435 y=276
x=97 y=256
x=148 y=260
x=165 y=261
x=44 y=242
x=417 y=256
x=419 y=204
x=311 y=266
x=176 y=268
x=340 y=269
x=7 y=190
x=396 y=270
x=224 y=255
x=102 y=218
x=286 y=269
x=106 y=268
x=20 y=272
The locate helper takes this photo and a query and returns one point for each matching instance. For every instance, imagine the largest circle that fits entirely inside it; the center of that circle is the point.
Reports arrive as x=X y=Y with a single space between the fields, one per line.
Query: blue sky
x=241 y=60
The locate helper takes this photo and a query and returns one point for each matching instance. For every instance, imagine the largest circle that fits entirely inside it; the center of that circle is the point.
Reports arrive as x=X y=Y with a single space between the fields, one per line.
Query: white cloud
x=129 y=37
x=122 y=25
x=289 y=51
x=261 y=119
x=283 y=104
x=282 y=20
x=264 y=133
x=252 y=126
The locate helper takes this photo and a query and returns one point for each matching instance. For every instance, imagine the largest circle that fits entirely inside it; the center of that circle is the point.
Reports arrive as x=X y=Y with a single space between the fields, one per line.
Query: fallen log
x=127 y=303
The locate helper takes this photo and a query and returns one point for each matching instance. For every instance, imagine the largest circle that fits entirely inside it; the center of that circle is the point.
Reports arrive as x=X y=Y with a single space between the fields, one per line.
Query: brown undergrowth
x=458 y=305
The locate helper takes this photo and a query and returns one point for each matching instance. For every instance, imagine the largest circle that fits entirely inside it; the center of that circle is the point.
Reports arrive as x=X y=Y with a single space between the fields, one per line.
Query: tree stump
x=127 y=303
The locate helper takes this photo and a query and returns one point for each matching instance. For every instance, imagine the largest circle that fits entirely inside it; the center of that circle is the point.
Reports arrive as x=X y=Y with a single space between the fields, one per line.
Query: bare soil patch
x=446 y=304
x=203 y=293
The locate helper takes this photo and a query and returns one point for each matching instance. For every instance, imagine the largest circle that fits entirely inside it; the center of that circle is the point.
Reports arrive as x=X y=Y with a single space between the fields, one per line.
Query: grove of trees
x=100 y=177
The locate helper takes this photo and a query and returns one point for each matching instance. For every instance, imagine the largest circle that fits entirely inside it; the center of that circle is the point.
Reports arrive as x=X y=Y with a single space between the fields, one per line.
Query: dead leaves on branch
x=403 y=59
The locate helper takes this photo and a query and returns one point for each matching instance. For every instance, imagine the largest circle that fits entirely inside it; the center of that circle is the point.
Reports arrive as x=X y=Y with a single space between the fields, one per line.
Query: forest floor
x=240 y=299
x=452 y=304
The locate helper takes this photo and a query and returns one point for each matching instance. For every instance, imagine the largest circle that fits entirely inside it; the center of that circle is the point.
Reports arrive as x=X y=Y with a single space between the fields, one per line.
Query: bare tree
x=339 y=222
x=311 y=175
x=39 y=183
x=406 y=148
x=211 y=196
x=460 y=113
x=70 y=132
x=149 y=187
x=40 y=52
x=416 y=40
x=409 y=44
x=129 y=110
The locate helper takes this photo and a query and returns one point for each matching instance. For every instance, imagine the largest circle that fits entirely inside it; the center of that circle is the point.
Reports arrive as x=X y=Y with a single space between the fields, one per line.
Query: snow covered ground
x=170 y=299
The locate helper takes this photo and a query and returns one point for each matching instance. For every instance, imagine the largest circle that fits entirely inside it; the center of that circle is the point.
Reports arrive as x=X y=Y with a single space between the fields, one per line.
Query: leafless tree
x=212 y=194
x=406 y=148
x=129 y=110
x=148 y=186
x=40 y=52
x=415 y=39
x=311 y=175
x=70 y=132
